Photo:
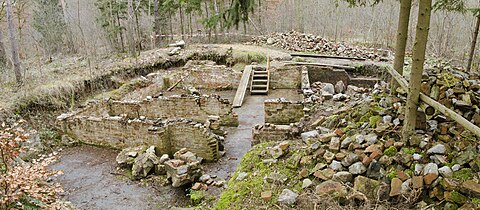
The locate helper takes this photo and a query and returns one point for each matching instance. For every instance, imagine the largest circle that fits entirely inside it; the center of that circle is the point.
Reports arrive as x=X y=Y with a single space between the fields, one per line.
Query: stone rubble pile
x=183 y=169
x=296 y=41
x=454 y=89
x=361 y=147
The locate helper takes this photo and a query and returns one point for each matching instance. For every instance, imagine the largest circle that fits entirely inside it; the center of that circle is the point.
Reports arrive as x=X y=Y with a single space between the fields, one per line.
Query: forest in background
x=50 y=28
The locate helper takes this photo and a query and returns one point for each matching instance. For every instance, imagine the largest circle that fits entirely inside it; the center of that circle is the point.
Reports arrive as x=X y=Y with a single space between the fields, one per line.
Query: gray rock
x=328 y=88
x=340 y=87
x=334 y=144
x=336 y=165
x=387 y=119
x=374 y=170
x=359 y=139
x=357 y=168
x=164 y=158
x=308 y=135
x=437 y=149
x=287 y=197
x=445 y=171
x=339 y=97
x=430 y=168
x=406 y=186
x=204 y=178
x=306 y=183
x=396 y=122
x=241 y=176
x=346 y=142
x=350 y=159
x=417 y=156
x=327 y=96
x=418 y=169
x=371 y=138
x=329 y=156
x=456 y=167
x=270 y=41
x=423 y=144
x=343 y=176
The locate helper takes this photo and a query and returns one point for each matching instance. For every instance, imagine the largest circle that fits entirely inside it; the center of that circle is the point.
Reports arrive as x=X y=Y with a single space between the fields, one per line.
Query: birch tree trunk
x=13 y=41
x=419 y=48
x=474 y=43
x=402 y=35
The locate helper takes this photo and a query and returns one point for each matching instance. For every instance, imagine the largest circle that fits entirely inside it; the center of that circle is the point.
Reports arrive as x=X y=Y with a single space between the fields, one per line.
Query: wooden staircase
x=260 y=80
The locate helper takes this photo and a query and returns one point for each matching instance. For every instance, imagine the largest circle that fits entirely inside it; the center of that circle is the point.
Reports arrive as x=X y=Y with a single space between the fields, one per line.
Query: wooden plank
x=438 y=106
x=176 y=83
x=319 y=64
x=326 y=56
x=242 y=87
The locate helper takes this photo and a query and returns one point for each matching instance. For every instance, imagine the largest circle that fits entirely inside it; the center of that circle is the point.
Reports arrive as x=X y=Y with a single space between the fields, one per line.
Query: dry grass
x=59 y=83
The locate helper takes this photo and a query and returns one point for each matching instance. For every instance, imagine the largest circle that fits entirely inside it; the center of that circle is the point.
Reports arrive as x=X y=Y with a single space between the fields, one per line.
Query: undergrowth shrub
x=23 y=185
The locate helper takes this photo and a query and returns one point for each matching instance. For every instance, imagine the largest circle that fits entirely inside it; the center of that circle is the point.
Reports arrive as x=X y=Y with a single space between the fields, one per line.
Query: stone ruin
x=168 y=123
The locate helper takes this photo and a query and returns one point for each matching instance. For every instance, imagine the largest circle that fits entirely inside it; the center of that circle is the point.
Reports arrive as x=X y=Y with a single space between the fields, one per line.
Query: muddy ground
x=92 y=181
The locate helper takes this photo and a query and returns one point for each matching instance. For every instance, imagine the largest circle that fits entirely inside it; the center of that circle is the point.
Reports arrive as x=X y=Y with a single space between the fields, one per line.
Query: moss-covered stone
x=239 y=191
x=463 y=174
x=456 y=197
x=391 y=151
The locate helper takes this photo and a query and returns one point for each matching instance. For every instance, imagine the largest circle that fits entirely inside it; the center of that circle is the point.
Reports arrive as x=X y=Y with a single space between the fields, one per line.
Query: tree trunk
x=215 y=8
x=156 y=26
x=299 y=16
x=474 y=43
x=419 y=48
x=131 y=30
x=3 y=53
x=181 y=21
x=13 y=41
x=402 y=35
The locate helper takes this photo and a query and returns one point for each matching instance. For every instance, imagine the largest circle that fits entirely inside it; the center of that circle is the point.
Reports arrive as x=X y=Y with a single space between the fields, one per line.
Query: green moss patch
x=249 y=189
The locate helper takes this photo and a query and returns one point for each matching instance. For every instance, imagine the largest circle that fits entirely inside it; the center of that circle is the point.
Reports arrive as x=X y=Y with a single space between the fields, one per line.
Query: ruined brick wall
x=204 y=145
x=119 y=133
x=174 y=107
x=286 y=77
x=115 y=132
x=282 y=111
x=269 y=132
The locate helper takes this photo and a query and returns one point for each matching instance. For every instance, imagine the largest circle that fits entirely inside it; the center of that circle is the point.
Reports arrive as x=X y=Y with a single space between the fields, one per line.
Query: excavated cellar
x=190 y=108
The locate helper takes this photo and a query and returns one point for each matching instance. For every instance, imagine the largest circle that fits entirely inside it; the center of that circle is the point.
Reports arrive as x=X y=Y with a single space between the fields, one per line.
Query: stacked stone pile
x=455 y=90
x=296 y=41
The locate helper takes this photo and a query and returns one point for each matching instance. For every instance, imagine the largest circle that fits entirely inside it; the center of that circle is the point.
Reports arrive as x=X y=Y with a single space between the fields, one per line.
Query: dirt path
x=89 y=183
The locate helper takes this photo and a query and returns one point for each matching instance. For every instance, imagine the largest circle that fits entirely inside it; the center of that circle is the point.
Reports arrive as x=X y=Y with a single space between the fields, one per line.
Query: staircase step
x=258 y=92
x=260 y=86
x=259 y=76
x=260 y=80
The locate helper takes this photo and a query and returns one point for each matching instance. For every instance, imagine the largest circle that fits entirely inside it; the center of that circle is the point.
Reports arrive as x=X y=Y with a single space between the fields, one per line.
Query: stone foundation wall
x=286 y=77
x=174 y=107
x=120 y=133
x=270 y=132
x=200 y=74
x=283 y=112
x=327 y=75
